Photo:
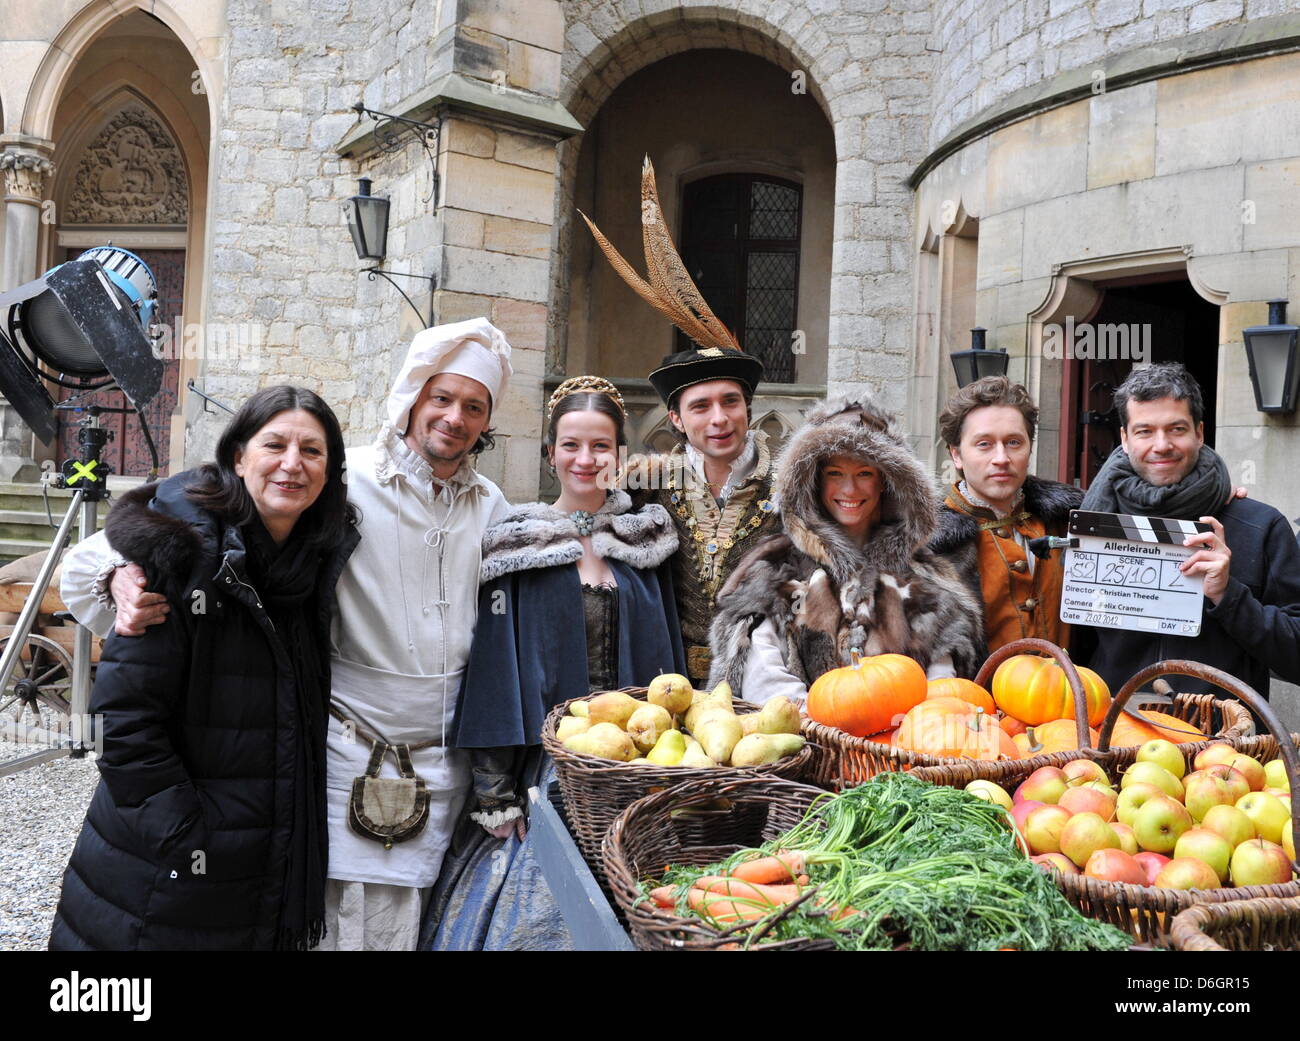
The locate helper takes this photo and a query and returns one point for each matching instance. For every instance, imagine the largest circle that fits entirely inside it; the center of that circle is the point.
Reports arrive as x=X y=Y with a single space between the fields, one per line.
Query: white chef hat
x=475 y=348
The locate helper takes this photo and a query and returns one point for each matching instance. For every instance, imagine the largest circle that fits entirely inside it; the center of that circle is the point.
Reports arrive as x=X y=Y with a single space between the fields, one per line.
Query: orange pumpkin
x=1035 y=690
x=1129 y=731
x=1012 y=725
x=885 y=737
x=956 y=687
x=956 y=729
x=868 y=697
x=1058 y=735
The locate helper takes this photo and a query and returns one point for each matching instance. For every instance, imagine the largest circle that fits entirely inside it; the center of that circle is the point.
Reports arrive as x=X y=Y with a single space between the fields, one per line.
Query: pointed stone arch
x=204 y=41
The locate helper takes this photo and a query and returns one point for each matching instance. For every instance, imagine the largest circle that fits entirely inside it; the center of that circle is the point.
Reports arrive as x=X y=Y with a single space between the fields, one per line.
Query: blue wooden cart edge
x=591 y=921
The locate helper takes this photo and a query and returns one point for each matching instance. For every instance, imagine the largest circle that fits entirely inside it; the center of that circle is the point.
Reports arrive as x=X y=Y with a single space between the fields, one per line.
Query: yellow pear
x=718 y=731
x=717 y=698
x=748 y=723
x=646 y=724
x=761 y=749
x=670 y=691
x=695 y=756
x=609 y=742
x=612 y=707
x=571 y=725
x=779 y=715
x=669 y=749
x=579 y=709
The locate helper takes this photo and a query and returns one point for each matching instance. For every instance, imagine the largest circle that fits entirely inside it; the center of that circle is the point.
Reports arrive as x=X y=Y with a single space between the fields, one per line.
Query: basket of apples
x=1134 y=840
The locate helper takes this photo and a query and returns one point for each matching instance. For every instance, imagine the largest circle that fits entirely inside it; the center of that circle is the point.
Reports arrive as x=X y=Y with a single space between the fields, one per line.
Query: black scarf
x=1119 y=489
x=286 y=578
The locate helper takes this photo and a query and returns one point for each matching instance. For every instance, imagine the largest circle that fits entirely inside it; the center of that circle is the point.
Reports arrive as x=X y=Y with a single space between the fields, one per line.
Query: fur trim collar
x=1050 y=500
x=908 y=512
x=156 y=526
x=537 y=535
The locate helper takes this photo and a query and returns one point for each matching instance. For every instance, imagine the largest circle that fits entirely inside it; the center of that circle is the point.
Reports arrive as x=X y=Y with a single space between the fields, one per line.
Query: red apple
x=1084 y=834
x=1231 y=823
x=1081 y=771
x=1205 y=791
x=1235 y=778
x=1057 y=861
x=1251 y=769
x=1260 y=863
x=1046 y=784
x=1187 y=873
x=1127 y=840
x=1132 y=798
x=1089 y=800
x=1206 y=845
x=1043 y=828
x=1215 y=753
x=1151 y=864
x=1159 y=823
x=1021 y=811
x=1114 y=865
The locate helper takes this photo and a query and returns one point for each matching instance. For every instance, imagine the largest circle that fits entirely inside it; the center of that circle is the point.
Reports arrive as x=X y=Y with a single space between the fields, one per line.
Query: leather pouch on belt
x=388 y=809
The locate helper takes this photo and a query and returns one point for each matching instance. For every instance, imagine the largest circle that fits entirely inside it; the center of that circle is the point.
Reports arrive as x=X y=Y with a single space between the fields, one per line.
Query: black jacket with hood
x=183 y=845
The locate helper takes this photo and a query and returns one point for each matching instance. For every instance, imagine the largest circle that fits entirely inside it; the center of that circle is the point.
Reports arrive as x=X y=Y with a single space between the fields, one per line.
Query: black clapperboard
x=1123 y=574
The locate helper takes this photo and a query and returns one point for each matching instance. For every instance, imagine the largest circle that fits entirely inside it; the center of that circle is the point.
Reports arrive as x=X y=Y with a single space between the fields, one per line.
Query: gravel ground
x=41 y=810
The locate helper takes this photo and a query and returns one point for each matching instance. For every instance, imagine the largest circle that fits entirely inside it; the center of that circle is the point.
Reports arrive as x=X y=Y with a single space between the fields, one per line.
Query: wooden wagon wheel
x=41 y=685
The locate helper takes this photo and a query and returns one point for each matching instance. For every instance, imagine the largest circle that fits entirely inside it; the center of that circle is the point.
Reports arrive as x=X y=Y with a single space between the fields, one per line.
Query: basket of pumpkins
x=1029 y=706
x=612 y=748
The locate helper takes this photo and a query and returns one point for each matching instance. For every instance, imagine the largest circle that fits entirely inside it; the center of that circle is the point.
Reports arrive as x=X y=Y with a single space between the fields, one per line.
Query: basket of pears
x=612 y=748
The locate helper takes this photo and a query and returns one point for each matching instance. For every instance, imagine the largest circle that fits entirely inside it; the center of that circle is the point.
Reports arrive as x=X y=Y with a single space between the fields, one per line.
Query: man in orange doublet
x=994 y=508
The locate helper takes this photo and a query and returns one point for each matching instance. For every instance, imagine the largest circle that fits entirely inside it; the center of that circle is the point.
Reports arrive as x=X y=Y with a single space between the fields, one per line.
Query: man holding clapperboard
x=1247 y=562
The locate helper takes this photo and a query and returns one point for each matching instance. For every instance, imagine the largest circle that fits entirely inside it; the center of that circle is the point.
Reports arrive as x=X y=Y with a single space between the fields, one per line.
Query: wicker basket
x=844 y=761
x=1263 y=924
x=1147 y=912
x=597 y=790
x=700 y=822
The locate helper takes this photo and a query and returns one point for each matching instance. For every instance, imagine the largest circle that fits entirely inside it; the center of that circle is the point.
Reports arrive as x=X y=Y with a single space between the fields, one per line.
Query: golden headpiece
x=585 y=385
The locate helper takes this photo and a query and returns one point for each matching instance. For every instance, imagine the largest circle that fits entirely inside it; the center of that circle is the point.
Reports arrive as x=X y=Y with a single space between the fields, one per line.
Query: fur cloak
x=530 y=645
x=823 y=594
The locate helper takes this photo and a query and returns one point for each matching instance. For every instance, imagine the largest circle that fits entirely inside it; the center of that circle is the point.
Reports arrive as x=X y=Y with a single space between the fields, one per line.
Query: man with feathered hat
x=407 y=604
x=717 y=484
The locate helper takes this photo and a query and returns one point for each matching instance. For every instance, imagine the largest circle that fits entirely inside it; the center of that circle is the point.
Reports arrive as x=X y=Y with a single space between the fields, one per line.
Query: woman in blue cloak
x=574 y=597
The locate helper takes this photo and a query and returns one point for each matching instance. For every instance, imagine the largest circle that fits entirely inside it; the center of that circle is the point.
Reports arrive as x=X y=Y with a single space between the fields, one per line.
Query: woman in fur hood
x=852 y=571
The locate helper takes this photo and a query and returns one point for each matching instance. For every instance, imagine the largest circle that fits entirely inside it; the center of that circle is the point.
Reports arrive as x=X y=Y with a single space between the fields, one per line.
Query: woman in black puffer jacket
x=207 y=830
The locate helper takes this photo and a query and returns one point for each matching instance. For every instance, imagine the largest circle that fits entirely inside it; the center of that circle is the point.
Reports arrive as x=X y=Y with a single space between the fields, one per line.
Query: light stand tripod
x=88 y=477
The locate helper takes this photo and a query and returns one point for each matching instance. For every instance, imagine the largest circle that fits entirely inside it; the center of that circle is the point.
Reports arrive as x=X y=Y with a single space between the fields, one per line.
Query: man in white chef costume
x=407 y=601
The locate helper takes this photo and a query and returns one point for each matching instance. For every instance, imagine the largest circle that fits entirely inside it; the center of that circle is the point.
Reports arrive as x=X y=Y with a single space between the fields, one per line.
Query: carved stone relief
x=130 y=173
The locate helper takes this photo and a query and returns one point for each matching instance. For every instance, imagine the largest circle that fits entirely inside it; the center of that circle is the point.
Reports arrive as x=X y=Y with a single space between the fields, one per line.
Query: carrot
x=784 y=867
x=730 y=886
x=720 y=909
x=663 y=896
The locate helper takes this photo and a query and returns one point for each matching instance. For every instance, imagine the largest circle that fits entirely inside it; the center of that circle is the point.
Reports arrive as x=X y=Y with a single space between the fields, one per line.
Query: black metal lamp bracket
x=371 y=272
x=389 y=133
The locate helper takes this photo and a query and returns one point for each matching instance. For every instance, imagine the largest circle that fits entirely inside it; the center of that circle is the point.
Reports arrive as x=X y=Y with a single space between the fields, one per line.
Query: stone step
x=13 y=548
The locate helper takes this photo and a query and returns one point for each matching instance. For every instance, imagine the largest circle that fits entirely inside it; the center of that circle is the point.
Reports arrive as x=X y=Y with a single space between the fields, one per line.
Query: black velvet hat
x=701 y=364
